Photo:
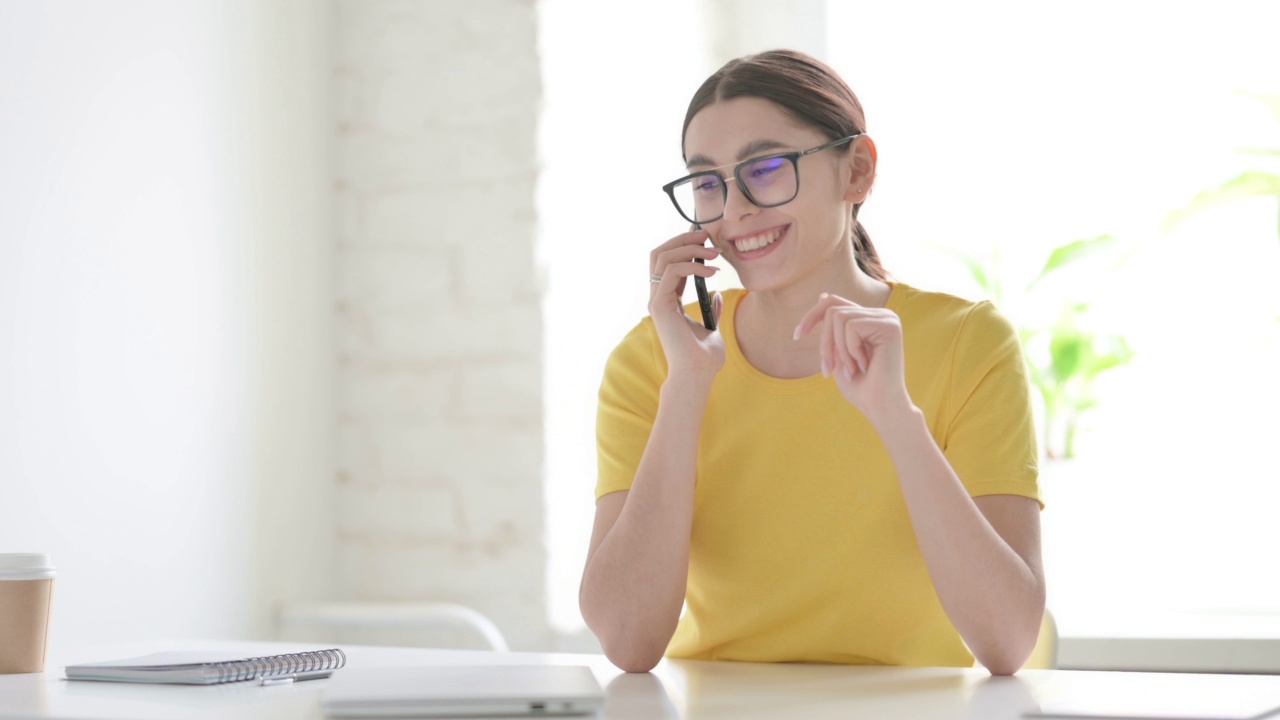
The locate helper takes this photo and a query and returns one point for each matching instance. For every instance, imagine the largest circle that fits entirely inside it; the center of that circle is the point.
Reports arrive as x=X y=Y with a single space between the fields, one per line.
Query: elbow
x=1008 y=657
x=633 y=659
x=633 y=645
x=627 y=648
x=1004 y=660
x=1002 y=667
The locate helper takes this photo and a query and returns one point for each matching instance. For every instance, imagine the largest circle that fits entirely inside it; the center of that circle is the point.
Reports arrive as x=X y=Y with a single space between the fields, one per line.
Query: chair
x=404 y=624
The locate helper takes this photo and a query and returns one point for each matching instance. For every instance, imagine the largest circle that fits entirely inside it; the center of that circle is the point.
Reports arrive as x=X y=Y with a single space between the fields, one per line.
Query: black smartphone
x=704 y=299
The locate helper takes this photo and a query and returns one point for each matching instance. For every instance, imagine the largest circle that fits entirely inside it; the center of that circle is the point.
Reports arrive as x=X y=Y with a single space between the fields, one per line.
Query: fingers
x=858 y=357
x=683 y=253
x=695 y=238
x=836 y=332
x=816 y=313
x=676 y=259
x=848 y=333
x=674 y=275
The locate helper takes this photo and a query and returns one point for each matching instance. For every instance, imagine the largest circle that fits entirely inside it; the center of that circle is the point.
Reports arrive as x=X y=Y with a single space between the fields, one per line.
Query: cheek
x=824 y=223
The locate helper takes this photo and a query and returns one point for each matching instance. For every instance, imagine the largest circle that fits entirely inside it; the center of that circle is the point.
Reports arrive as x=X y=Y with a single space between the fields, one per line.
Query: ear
x=862 y=169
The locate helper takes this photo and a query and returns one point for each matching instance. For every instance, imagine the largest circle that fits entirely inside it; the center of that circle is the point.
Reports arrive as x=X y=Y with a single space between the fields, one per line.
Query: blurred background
x=304 y=305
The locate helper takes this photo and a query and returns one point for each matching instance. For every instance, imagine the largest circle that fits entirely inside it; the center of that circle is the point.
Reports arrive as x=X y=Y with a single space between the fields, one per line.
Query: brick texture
x=438 y=314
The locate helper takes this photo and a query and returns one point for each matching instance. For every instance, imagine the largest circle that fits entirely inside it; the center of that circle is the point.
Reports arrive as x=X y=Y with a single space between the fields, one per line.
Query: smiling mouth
x=757 y=241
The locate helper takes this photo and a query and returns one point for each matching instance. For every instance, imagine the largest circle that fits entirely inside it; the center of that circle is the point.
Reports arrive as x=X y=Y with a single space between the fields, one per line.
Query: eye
x=706 y=184
x=764 y=168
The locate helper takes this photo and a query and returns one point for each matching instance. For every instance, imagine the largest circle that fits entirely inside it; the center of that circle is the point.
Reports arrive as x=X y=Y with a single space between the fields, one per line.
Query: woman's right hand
x=692 y=350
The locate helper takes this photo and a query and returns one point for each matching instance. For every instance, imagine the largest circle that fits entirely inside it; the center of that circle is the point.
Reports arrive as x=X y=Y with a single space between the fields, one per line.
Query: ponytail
x=865 y=253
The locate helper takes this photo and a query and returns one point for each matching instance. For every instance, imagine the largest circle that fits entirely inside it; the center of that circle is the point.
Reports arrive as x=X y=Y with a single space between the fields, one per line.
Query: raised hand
x=861 y=348
x=689 y=347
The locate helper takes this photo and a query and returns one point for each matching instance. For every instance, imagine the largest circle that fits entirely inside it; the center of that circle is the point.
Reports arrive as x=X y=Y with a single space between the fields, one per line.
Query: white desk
x=676 y=689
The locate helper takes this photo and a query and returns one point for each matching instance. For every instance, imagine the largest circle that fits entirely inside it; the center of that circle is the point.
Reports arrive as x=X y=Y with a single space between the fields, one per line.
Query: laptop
x=463 y=691
x=1162 y=696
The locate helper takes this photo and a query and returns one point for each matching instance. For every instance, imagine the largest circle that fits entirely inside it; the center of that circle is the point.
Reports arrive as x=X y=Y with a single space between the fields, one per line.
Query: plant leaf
x=1251 y=183
x=1071 y=252
x=1067 y=350
x=1117 y=353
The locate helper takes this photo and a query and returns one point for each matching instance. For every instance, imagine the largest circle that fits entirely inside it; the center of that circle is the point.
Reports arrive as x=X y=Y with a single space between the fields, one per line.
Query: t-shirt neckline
x=777 y=385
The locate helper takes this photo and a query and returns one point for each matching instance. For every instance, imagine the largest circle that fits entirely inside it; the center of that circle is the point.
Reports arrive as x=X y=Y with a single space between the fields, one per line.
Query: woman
x=845 y=471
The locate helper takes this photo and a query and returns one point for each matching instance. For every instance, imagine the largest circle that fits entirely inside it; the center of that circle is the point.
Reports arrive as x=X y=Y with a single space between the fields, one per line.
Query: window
x=1008 y=125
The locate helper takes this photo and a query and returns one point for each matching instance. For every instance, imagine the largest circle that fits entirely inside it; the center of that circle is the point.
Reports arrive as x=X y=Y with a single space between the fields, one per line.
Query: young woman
x=845 y=471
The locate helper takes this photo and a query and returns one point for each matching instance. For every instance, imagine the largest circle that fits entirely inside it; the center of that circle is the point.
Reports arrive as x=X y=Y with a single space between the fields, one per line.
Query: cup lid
x=25 y=566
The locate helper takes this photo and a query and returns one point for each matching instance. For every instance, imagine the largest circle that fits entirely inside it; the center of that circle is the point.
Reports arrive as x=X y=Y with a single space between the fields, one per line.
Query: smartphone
x=704 y=299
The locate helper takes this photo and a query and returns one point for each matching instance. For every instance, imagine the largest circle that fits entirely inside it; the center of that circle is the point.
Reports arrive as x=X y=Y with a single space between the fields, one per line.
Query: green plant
x=1064 y=355
x=1251 y=183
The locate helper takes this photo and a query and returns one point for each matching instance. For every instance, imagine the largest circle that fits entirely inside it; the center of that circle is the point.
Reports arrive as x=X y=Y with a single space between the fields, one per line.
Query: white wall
x=165 y=331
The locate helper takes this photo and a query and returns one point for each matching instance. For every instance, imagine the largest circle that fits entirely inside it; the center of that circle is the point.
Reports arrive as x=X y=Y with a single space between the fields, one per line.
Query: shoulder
x=970 y=336
x=637 y=357
x=977 y=321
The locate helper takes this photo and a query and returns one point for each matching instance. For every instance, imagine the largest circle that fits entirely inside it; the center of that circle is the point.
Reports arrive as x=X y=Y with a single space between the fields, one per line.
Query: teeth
x=755 y=242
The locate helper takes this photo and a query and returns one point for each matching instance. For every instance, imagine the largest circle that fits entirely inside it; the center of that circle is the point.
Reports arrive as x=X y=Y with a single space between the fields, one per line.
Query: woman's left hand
x=861 y=348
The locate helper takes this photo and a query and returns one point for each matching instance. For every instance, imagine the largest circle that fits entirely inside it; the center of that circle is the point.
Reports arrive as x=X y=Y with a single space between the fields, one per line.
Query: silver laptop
x=461 y=691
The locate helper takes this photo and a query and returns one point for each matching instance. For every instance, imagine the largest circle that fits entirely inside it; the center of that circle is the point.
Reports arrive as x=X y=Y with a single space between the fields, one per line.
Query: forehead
x=720 y=130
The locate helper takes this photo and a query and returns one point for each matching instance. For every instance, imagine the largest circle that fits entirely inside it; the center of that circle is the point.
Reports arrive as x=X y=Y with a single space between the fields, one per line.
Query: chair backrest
x=402 y=624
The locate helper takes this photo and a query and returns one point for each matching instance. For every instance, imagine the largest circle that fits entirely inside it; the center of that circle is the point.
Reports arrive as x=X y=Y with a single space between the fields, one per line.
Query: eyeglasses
x=767 y=182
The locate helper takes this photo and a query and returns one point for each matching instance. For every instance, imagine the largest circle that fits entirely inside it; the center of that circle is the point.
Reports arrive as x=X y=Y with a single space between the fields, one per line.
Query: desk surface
x=688 y=690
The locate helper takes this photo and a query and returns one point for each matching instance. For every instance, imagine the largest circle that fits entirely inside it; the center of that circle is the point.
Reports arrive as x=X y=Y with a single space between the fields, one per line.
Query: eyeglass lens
x=767 y=182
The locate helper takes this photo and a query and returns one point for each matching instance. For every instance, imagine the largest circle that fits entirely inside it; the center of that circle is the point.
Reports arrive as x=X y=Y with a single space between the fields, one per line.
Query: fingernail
x=823 y=296
x=861 y=367
x=848 y=372
x=796 y=335
x=826 y=368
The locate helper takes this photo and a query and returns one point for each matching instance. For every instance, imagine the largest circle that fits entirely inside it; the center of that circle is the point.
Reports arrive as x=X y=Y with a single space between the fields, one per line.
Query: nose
x=736 y=202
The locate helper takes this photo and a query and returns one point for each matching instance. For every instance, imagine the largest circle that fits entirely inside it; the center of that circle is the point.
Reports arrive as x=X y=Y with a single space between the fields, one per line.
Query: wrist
x=897 y=418
x=686 y=387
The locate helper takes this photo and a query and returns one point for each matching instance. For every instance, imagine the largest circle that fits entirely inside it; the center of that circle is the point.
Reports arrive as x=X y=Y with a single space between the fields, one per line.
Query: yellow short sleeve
x=628 y=404
x=990 y=438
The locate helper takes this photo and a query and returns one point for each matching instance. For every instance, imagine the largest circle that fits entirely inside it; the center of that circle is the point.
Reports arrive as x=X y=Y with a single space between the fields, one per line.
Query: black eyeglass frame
x=793 y=157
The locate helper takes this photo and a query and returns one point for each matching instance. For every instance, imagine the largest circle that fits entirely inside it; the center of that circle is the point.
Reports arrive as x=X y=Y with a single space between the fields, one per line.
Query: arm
x=638 y=562
x=983 y=555
x=637 y=565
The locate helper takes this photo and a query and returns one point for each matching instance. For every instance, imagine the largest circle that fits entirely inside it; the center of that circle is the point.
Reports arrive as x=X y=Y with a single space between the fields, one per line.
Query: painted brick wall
x=440 y=449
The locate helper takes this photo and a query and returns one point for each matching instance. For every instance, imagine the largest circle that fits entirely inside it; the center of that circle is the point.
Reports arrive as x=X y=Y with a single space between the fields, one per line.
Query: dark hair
x=811 y=92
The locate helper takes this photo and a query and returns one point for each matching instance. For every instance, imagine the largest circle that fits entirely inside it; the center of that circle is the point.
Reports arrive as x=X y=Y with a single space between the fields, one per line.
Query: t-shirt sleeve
x=991 y=437
x=628 y=404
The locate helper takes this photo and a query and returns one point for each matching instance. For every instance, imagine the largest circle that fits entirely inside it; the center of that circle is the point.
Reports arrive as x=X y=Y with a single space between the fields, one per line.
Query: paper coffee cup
x=26 y=595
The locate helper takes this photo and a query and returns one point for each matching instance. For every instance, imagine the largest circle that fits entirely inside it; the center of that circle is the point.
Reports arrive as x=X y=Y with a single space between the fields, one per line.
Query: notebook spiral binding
x=276 y=665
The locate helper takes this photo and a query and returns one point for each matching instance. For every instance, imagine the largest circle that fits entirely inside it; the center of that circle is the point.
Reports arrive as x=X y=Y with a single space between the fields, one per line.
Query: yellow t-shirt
x=801 y=548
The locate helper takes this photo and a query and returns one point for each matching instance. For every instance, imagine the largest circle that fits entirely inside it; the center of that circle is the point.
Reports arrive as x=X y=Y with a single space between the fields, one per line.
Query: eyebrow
x=751 y=149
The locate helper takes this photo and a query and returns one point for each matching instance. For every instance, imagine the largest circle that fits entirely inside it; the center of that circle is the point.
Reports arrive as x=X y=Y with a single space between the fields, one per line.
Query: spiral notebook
x=210 y=668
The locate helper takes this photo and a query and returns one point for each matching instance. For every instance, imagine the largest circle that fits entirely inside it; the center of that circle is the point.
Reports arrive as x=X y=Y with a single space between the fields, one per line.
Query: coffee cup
x=26 y=595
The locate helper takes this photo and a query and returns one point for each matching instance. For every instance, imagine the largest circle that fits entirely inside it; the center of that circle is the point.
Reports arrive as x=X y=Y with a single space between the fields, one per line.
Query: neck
x=776 y=311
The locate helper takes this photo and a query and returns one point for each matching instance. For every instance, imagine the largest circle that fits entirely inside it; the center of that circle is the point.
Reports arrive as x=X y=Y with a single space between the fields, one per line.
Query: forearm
x=633 y=585
x=993 y=596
